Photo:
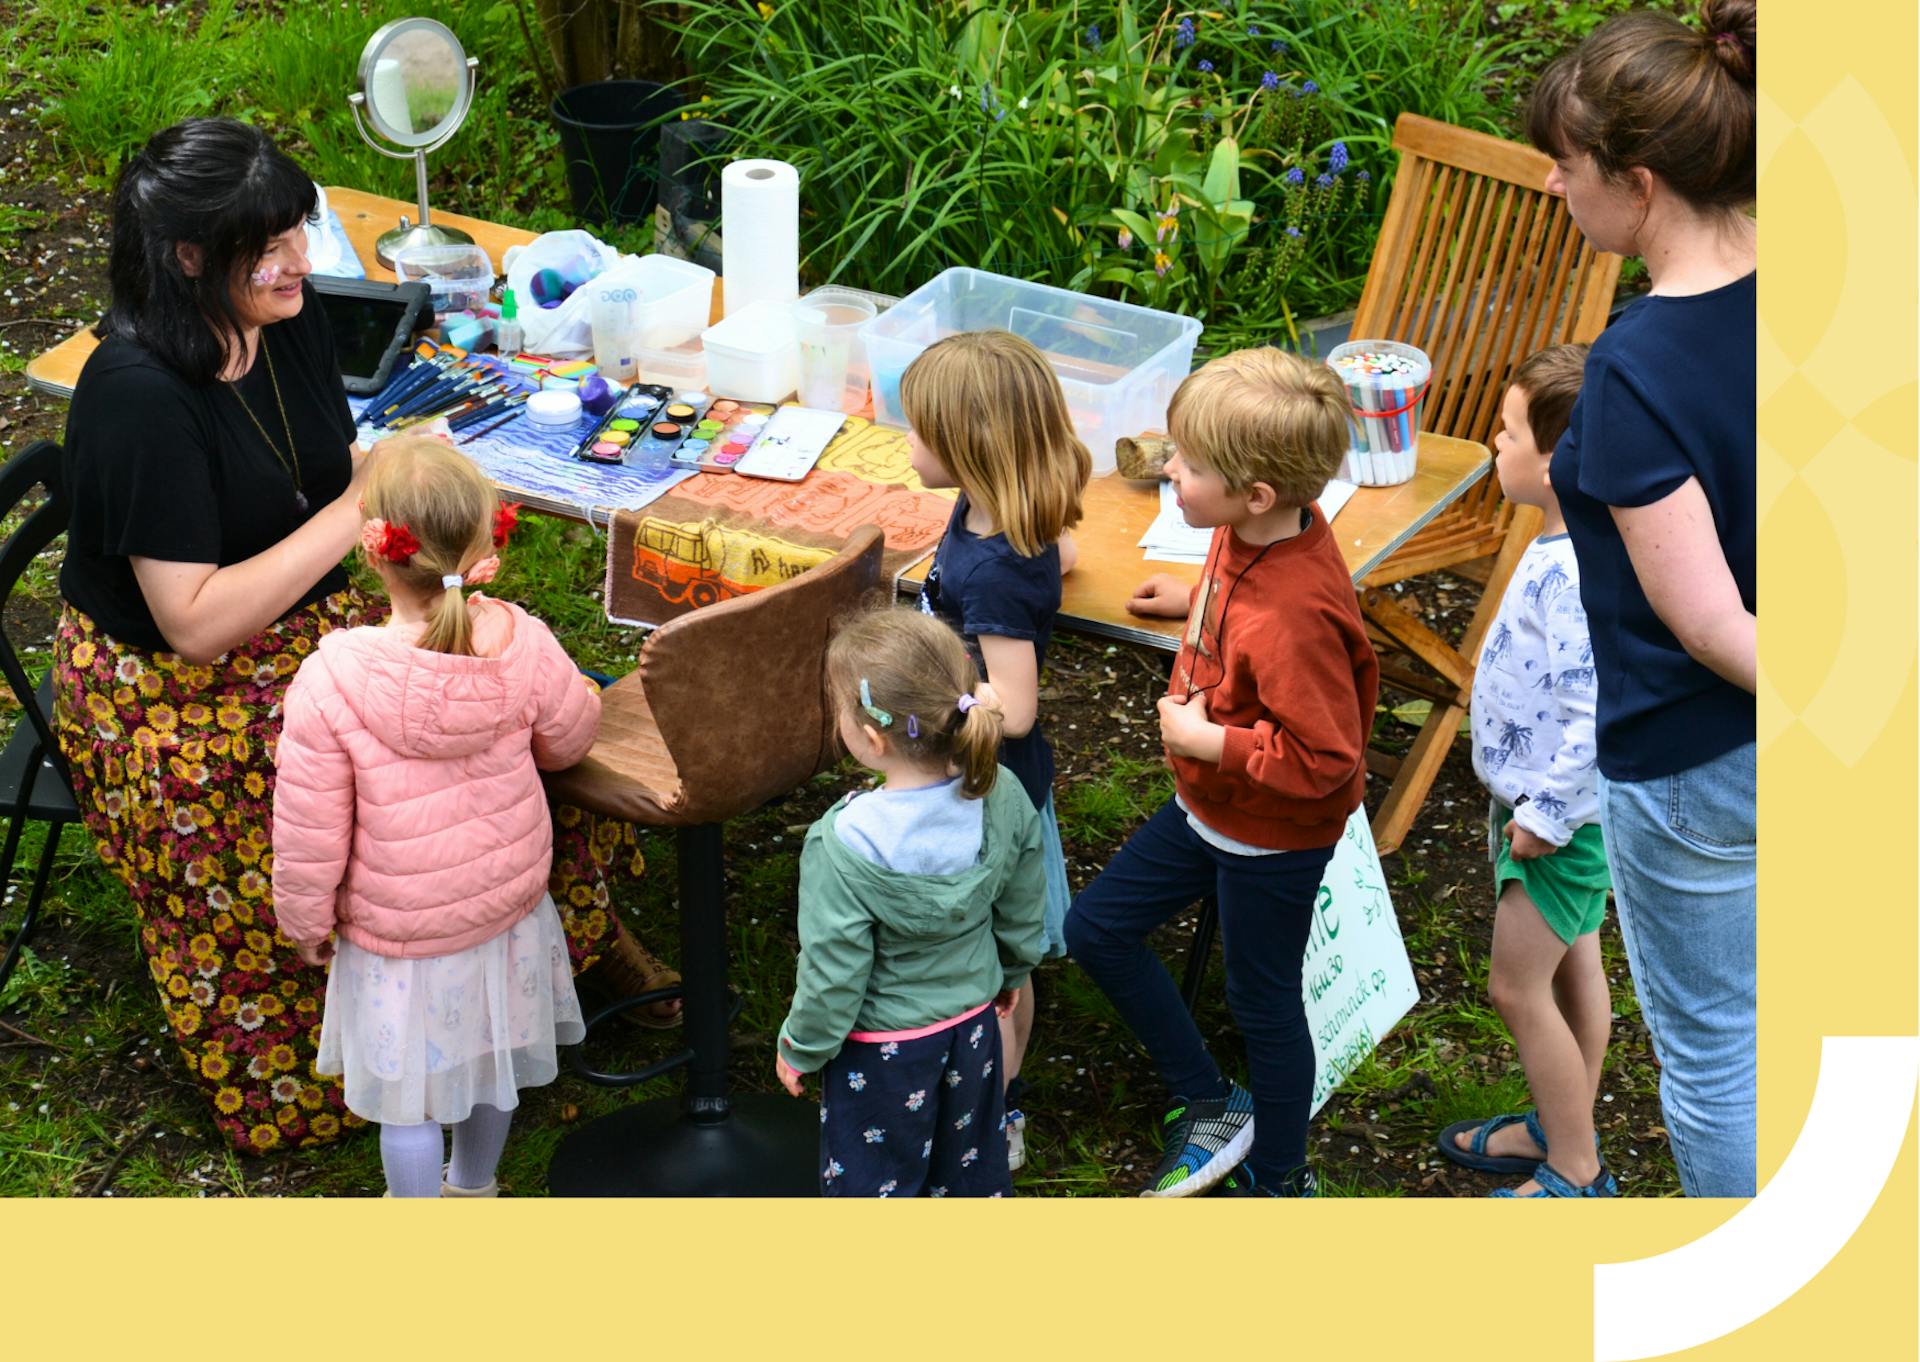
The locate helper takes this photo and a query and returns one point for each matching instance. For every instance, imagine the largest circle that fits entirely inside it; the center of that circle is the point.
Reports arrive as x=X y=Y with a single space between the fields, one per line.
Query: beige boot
x=448 y=1189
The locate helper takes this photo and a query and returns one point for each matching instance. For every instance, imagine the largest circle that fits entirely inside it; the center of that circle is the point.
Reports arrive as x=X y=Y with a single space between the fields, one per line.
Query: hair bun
x=1730 y=26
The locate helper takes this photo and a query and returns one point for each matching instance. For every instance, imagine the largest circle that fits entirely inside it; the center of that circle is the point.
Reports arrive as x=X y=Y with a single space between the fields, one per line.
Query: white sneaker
x=1016 y=1140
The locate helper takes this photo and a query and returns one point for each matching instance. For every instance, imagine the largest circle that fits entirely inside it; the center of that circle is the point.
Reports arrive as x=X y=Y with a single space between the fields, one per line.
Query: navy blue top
x=1668 y=395
x=979 y=585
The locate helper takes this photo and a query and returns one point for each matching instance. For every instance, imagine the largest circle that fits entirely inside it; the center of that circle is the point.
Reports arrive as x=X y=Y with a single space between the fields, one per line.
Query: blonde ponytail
x=977 y=746
x=919 y=690
x=447 y=506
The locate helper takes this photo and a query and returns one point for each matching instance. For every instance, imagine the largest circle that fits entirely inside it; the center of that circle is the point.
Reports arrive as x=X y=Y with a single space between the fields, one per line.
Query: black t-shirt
x=158 y=468
x=1668 y=395
x=979 y=585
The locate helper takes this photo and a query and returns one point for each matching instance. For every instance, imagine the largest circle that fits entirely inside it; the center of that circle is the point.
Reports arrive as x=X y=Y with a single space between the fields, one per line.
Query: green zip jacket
x=886 y=951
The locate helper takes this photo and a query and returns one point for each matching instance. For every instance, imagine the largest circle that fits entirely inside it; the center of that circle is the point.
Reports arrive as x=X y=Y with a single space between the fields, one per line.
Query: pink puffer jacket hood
x=408 y=810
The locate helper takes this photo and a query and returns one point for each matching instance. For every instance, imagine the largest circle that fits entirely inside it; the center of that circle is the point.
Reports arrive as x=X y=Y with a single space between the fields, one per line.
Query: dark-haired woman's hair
x=916 y=670
x=1646 y=90
x=215 y=184
x=1551 y=380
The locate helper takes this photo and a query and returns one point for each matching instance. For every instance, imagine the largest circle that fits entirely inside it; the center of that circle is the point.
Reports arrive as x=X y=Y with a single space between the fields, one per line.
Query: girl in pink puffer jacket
x=409 y=821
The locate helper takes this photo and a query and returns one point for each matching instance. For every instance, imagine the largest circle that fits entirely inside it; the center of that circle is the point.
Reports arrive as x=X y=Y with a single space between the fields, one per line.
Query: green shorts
x=1569 y=887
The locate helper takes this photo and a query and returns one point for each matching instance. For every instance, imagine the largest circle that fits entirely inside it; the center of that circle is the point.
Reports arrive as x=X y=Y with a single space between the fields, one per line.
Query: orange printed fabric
x=720 y=535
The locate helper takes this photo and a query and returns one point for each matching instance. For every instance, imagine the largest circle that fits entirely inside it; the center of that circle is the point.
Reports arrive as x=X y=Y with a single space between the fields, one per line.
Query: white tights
x=411 y=1154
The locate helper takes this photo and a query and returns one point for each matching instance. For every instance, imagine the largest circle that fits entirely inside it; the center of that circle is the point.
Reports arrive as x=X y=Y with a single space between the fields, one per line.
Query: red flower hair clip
x=395 y=543
x=505 y=520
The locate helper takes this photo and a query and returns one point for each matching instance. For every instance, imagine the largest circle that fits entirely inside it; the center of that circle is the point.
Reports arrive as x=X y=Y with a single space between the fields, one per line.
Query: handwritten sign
x=1357 y=979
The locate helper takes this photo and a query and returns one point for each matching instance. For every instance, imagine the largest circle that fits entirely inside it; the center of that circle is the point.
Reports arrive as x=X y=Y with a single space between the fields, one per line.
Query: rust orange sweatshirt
x=1276 y=641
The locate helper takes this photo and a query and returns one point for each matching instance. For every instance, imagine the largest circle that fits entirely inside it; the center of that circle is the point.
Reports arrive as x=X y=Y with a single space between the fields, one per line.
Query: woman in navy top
x=1651 y=127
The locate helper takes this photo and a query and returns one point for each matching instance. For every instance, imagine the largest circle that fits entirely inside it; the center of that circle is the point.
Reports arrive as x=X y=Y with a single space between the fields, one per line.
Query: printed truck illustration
x=681 y=563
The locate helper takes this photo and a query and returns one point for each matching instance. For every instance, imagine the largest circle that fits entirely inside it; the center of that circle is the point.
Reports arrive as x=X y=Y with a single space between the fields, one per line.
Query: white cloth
x=933 y=830
x=1533 y=698
x=426 y=1039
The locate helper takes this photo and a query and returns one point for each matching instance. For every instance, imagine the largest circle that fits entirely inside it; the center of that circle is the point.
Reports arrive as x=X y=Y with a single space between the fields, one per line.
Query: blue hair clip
x=878 y=715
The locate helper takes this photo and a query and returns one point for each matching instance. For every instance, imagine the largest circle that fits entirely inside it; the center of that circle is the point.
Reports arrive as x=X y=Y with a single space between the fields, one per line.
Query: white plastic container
x=752 y=355
x=680 y=367
x=650 y=302
x=674 y=300
x=1117 y=363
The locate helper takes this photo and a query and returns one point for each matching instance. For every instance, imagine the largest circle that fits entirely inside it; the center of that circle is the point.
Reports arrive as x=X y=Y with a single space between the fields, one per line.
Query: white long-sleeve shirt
x=1533 y=697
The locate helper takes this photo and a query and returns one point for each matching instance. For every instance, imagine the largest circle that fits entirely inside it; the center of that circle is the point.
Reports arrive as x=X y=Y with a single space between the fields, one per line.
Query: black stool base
x=767 y=1146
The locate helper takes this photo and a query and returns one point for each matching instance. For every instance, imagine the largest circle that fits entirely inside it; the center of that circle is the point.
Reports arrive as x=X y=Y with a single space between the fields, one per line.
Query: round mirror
x=414 y=75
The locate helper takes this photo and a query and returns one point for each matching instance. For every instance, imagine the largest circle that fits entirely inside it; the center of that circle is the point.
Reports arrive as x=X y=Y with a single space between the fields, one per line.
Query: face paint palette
x=730 y=429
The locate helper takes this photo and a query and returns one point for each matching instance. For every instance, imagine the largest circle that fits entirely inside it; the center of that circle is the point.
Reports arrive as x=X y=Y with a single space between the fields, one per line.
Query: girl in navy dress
x=987 y=416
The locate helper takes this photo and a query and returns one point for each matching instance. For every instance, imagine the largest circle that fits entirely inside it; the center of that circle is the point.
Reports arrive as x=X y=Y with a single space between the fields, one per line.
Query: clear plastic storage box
x=1117 y=363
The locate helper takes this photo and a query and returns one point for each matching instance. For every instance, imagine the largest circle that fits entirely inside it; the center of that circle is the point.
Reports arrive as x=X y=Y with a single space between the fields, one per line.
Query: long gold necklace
x=291 y=465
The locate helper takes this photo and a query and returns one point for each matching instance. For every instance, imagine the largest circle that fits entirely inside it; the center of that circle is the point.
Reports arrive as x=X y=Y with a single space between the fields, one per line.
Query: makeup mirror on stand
x=416 y=85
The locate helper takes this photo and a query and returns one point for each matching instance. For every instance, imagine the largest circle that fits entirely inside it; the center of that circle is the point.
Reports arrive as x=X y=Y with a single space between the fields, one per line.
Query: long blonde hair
x=916 y=672
x=988 y=407
x=447 y=504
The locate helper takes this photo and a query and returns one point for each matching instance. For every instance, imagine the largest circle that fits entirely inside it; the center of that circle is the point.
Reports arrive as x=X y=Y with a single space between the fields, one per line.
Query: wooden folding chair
x=1478 y=266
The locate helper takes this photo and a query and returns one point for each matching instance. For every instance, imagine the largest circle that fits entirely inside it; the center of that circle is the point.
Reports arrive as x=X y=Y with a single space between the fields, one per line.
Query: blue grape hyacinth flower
x=1269 y=82
x=1337 y=157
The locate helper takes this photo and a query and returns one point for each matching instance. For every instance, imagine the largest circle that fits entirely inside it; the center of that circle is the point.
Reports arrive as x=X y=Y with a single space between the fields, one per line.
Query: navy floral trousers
x=919 y=1117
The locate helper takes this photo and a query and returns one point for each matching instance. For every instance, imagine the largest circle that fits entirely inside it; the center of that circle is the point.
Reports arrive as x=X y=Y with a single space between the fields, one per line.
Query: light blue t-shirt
x=932 y=830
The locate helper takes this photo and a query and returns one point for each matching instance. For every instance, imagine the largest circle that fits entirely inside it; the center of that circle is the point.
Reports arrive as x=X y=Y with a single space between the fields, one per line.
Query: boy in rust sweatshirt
x=1265 y=723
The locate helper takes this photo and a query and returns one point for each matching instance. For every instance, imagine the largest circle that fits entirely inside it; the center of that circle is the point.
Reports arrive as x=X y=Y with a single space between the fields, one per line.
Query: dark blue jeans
x=1266 y=908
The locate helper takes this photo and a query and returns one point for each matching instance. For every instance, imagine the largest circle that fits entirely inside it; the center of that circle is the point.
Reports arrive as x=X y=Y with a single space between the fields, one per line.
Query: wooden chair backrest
x=1478 y=266
x=738 y=688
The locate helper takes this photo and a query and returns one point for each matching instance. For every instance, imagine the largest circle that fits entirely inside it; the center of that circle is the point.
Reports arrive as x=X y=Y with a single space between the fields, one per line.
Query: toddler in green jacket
x=922 y=912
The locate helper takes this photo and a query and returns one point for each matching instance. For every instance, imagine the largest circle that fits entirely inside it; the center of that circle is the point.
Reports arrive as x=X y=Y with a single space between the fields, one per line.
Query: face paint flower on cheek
x=265 y=276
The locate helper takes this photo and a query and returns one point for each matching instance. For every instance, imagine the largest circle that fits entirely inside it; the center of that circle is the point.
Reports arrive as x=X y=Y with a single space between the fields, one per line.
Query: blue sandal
x=1552 y=1184
x=1475 y=1156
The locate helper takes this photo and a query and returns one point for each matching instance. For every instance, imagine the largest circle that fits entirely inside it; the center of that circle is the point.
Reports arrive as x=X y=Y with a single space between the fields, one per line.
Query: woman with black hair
x=214 y=477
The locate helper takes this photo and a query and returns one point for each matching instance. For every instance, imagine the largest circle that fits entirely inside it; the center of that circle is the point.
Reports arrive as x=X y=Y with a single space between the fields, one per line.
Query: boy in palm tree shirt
x=1265 y=725
x=1533 y=747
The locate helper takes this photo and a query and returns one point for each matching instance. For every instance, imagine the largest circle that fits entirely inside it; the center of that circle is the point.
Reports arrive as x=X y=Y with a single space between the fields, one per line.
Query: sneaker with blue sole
x=1201 y=1143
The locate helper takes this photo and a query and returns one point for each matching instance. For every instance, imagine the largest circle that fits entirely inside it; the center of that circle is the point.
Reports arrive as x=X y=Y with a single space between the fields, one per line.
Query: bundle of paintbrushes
x=473 y=394
x=1386 y=383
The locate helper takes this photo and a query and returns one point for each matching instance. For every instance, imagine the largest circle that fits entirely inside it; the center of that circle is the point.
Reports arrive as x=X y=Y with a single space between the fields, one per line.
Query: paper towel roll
x=760 y=222
x=388 y=94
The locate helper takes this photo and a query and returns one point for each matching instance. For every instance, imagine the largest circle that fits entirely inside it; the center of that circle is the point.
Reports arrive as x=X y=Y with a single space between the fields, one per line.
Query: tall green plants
x=1182 y=157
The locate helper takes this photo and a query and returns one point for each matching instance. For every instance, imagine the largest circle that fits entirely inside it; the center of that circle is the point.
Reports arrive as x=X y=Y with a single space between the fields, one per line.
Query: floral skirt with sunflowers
x=173 y=764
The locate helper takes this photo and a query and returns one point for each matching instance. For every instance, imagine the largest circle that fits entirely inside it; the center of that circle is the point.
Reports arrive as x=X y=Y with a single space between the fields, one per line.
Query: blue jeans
x=1681 y=849
x=1266 y=910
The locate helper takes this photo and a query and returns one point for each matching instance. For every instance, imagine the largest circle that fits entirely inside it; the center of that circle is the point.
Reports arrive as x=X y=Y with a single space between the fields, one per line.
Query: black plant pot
x=610 y=135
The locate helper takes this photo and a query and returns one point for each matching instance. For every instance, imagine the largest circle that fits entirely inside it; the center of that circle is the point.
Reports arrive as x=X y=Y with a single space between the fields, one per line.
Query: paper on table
x=1169 y=539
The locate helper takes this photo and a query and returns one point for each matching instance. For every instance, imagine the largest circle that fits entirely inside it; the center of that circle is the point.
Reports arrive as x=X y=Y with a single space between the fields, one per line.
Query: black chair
x=34 y=782
x=1195 y=974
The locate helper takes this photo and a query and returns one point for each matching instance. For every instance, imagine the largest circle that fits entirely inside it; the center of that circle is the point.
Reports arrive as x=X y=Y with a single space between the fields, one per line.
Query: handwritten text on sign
x=1357 y=980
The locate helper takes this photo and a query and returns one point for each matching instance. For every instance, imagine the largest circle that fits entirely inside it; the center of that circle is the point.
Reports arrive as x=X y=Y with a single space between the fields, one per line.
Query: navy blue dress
x=980 y=586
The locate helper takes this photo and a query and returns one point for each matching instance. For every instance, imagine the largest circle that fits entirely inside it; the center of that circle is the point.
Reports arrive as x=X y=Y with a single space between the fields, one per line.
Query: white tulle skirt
x=426 y=1039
